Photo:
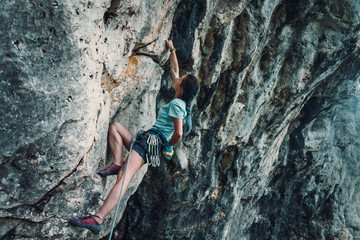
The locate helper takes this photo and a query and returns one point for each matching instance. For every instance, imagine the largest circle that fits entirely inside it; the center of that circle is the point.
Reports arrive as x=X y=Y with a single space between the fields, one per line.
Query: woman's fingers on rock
x=169 y=43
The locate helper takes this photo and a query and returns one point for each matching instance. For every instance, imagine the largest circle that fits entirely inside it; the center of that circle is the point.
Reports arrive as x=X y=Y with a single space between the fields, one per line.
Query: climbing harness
x=167 y=150
x=133 y=140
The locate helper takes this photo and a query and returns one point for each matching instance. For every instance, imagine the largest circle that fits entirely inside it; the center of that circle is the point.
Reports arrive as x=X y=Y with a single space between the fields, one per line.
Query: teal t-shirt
x=164 y=122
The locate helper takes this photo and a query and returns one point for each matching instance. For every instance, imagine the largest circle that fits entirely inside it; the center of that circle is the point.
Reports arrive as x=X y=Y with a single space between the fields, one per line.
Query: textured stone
x=274 y=151
x=260 y=70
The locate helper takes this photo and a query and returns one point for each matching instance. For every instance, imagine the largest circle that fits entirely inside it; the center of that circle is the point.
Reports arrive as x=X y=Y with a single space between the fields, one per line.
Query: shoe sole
x=107 y=174
x=93 y=228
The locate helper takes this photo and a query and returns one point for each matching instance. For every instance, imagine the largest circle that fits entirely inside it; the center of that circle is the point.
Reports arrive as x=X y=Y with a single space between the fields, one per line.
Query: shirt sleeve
x=177 y=109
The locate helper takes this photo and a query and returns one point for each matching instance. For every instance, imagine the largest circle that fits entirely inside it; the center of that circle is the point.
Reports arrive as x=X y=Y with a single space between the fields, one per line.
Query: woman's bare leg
x=118 y=136
x=136 y=162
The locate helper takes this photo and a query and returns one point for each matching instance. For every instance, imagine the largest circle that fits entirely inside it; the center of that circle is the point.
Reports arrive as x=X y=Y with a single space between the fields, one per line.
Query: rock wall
x=274 y=149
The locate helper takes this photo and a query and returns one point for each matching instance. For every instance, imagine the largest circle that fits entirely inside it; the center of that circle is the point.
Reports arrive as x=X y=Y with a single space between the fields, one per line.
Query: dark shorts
x=142 y=148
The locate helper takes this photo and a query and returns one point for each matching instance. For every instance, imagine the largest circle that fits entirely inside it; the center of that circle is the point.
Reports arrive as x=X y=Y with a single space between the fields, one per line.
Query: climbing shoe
x=113 y=169
x=87 y=222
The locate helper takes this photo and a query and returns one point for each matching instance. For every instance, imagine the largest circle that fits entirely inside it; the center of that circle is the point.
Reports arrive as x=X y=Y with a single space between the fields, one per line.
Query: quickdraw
x=153 y=155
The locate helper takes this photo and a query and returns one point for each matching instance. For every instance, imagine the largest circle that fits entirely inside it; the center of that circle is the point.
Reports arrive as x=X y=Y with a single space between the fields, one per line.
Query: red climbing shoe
x=87 y=222
x=113 y=169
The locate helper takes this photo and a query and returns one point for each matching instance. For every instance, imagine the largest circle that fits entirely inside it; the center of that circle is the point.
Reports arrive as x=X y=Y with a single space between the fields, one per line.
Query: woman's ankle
x=98 y=219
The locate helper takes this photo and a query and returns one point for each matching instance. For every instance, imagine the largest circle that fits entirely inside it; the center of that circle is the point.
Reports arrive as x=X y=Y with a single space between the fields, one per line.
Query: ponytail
x=188 y=123
x=190 y=87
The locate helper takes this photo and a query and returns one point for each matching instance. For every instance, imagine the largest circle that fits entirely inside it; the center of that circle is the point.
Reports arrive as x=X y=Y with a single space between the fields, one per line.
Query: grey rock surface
x=274 y=151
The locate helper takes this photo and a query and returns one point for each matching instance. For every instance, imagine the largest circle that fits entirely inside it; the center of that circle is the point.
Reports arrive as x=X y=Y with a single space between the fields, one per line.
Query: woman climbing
x=166 y=132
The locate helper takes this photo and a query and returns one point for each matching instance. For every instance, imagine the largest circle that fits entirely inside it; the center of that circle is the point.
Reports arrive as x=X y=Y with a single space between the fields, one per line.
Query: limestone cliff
x=274 y=151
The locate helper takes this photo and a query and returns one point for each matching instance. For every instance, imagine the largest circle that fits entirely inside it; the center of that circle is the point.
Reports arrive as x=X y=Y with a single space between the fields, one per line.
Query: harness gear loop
x=133 y=140
x=153 y=150
x=166 y=151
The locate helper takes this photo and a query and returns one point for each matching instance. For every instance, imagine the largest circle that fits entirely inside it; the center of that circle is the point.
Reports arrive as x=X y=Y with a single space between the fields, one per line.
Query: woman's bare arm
x=174 y=66
x=177 y=135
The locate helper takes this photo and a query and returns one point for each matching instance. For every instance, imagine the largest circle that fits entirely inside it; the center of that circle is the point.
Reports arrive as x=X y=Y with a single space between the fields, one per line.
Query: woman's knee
x=115 y=126
x=136 y=162
x=118 y=127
